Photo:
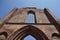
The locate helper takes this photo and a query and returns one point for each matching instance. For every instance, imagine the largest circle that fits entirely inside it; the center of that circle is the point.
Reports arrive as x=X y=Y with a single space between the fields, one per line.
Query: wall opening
x=29 y=37
x=29 y=32
x=30 y=18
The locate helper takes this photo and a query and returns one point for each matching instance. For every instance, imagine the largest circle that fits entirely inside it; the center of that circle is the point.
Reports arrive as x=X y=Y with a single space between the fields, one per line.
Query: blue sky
x=7 y=5
x=29 y=37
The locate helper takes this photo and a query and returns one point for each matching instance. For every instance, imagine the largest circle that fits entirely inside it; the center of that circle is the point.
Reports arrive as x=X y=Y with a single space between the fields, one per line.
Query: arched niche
x=28 y=30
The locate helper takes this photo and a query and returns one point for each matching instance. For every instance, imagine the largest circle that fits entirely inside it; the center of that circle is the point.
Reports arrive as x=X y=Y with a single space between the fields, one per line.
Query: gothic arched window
x=30 y=18
x=29 y=37
x=28 y=32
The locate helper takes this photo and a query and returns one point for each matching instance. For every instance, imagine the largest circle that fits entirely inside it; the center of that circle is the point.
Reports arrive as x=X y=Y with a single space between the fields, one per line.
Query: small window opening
x=30 y=18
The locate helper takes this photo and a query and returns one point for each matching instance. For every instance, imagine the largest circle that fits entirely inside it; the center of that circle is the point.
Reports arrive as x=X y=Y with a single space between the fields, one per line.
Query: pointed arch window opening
x=22 y=34
x=29 y=37
x=31 y=17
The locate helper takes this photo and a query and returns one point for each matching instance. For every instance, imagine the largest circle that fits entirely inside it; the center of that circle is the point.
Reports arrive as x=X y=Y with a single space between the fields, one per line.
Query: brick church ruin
x=45 y=26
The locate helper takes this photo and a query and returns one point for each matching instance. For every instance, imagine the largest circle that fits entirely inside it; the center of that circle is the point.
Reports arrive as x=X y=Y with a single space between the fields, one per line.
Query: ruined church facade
x=45 y=26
